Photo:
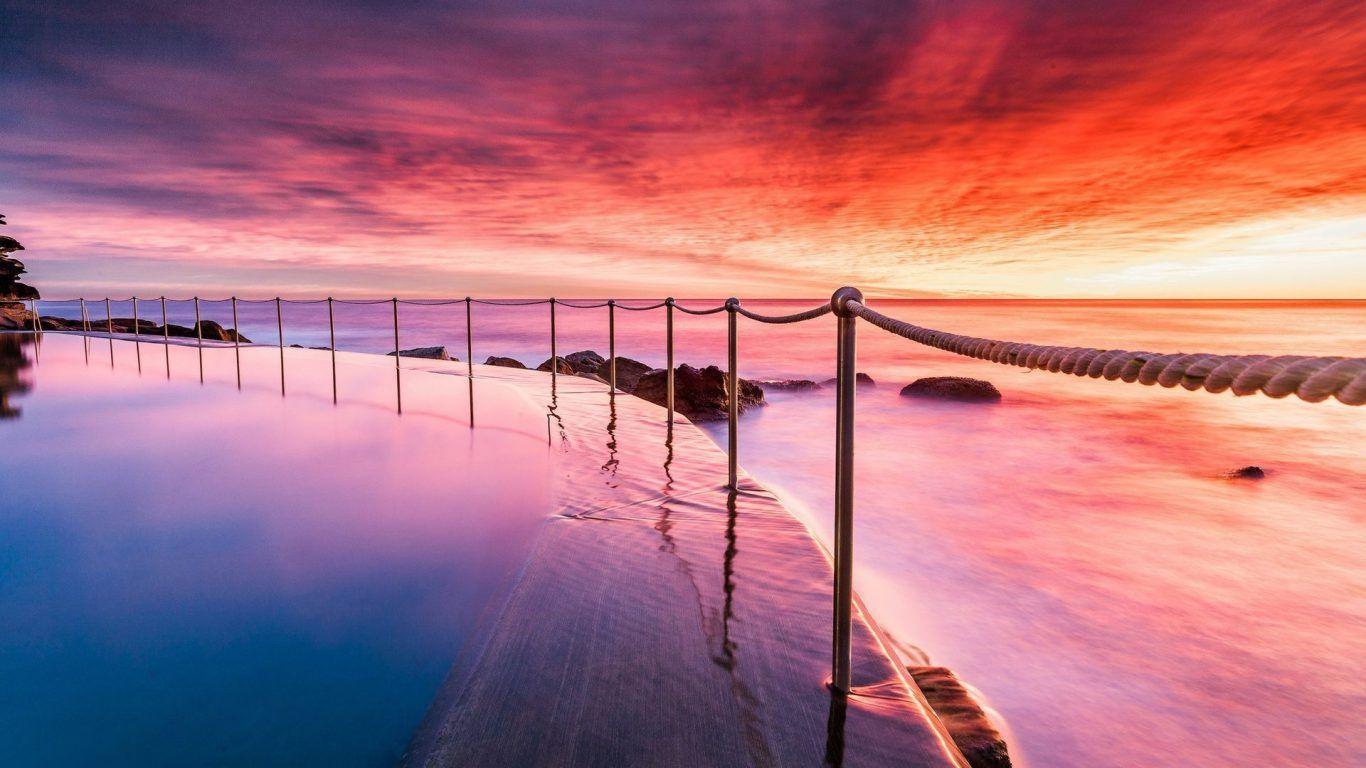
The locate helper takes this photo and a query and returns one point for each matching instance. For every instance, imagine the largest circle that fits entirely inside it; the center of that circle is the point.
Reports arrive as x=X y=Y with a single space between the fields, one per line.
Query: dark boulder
x=955 y=388
x=15 y=317
x=966 y=721
x=789 y=385
x=586 y=361
x=212 y=331
x=1250 y=472
x=861 y=380
x=505 y=362
x=629 y=373
x=427 y=353
x=699 y=394
x=562 y=366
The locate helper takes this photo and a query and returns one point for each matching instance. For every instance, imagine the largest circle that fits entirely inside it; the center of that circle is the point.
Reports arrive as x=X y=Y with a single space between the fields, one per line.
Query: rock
x=629 y=373
x=15 y=317
x=789 y=385
x=214 y=332
x=698 y=394
x=1250 y=472
x=861 y=380
x=586 y=361
x=956 y=388
x=427 y=353
x=505 y=362
x=967 y=722
x=562 y=366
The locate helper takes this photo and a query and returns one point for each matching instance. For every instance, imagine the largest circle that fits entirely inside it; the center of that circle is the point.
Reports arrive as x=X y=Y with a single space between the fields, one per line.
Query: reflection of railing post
x=732 y=395
x=280 y=335
x=554 y=361
x=398 y=367
x=236 y=342
x=845 y=363
x=332 y=344
x=669 y=361
x=469 y=355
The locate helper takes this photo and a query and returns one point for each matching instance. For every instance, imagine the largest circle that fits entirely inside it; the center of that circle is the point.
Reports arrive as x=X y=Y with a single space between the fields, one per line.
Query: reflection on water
x=13 y=360
x=193 y=574
x=1071 y=552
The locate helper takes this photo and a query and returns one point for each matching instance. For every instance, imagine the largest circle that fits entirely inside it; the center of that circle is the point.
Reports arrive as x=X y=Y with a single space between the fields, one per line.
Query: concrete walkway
x=662 y=620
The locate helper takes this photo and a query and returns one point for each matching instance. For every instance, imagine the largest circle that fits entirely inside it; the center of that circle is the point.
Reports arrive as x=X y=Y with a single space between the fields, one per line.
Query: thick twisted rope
x=1313 y=379
x=796 y=317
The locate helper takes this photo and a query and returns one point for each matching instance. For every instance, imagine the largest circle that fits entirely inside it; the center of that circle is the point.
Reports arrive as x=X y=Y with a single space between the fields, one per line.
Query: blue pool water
x=196 y=575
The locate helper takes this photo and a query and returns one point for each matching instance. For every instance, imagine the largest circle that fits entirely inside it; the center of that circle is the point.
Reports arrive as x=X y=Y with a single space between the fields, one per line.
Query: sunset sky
x=642 y=148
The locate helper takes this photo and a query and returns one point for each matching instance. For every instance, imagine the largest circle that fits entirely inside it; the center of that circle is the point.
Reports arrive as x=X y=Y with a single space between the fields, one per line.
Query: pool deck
x=664 y=620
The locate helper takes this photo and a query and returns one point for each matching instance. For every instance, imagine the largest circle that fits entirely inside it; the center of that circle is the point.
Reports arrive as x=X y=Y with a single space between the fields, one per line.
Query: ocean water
x=1072 y=552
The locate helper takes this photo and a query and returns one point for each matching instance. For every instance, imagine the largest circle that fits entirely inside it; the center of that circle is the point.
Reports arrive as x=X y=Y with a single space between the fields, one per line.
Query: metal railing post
x=669 y=361
x=732 y=395
x=237 y=342
x=137 y=335
x=166 y=336
x=33 y=310
x=199 y=336
x=612 y=345
x=846 y=371
x=469 y=355
x=280 y=335
x=85 y=340
x=109 y=327
x=554 y=361
x=398 y=367
x=332 y=344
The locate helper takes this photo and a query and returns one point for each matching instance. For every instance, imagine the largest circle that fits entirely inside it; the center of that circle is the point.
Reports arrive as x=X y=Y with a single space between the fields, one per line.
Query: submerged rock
x=967 y=722
x=861 y=380
x=956 y=388
x=699 y=394
x=428 y=353
x=504 y=362
x=1250 y=472
x=789 y=385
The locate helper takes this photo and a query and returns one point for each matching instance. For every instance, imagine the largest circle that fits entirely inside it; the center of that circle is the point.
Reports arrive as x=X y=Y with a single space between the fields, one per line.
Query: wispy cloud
x=771 y=148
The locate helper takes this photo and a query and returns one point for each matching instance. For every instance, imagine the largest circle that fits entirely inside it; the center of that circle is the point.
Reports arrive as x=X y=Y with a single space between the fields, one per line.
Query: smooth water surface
x=1073 y=552
x=193 y=574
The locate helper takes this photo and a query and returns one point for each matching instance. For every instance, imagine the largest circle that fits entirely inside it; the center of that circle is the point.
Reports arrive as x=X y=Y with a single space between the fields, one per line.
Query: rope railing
x=1311 y=378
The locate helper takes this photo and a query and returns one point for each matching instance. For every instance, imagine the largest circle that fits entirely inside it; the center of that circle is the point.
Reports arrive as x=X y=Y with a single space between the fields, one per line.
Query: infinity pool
x=211 y=573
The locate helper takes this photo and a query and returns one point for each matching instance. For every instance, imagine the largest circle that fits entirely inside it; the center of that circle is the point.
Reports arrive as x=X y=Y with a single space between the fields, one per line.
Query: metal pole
x=109 y=326
x=33 y=310
x=280 y=334
x=166 y=336
x=554 y=362
x=199 y=334
x=137 y=335
x=669 y=364
x=332 y=342
x=469 y=356
x=85 y=340
x=844 y=488
x=612 y=345
x=237 y=342
x=398 y=369
x=732 y=395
